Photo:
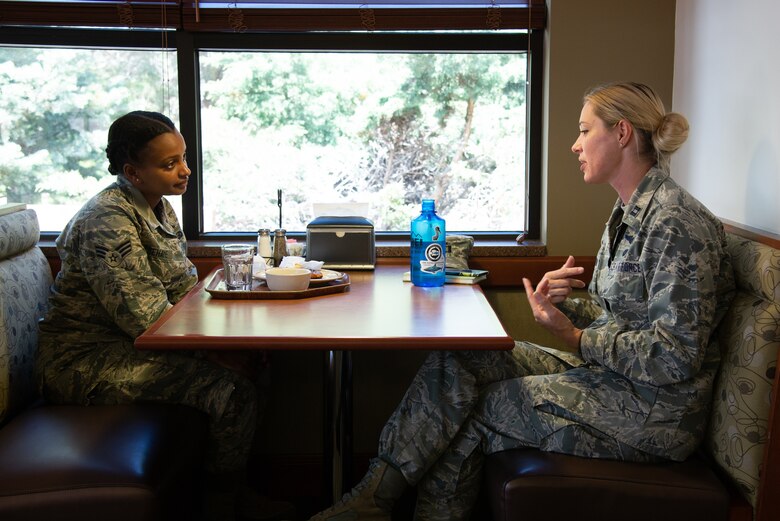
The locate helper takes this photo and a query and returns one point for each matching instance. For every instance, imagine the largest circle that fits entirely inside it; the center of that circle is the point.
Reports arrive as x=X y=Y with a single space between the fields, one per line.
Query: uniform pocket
x=626 y=294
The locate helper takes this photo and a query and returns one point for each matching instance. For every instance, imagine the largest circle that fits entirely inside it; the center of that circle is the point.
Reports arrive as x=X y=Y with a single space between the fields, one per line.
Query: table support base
x=337 y=424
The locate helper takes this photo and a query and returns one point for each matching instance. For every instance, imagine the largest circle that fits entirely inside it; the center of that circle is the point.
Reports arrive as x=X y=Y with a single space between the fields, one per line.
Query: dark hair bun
x=129 y=135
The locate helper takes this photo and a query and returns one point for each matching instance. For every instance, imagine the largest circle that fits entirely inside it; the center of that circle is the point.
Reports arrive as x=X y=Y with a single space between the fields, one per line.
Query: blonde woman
x=635 y=379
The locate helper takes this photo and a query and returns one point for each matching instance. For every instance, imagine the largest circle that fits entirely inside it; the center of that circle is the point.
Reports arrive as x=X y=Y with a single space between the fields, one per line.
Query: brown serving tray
x=215 y=287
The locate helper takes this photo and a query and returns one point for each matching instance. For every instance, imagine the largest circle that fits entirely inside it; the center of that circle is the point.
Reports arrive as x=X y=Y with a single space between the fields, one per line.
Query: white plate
x=327 y=276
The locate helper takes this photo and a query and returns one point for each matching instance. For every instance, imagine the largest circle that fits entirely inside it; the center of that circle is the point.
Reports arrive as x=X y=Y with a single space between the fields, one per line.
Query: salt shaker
x=264 y=245
x=280 y=246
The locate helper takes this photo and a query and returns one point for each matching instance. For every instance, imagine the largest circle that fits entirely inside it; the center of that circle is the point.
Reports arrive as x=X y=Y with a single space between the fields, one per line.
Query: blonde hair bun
x=671 y=133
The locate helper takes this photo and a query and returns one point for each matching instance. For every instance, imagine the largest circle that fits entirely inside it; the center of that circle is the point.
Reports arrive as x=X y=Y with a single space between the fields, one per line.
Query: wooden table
x=379 y=311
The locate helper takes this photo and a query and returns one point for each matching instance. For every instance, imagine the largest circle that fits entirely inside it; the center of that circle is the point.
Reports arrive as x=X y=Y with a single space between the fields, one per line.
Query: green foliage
x=55 y=109
x=430 y=137
x=453 y=79
x=277 y=93
x=386 y=129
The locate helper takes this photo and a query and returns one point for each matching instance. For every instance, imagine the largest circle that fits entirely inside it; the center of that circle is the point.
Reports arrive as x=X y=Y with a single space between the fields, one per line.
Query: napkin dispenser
x=341 y=242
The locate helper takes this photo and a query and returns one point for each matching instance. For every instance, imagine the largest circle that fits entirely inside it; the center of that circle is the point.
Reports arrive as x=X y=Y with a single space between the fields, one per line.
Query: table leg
x=337 y=424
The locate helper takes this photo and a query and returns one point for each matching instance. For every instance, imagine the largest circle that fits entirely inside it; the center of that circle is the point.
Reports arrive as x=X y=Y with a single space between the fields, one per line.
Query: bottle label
x=433 y=261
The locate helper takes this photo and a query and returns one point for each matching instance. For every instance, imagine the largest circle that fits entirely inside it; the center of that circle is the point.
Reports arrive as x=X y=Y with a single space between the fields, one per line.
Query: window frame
x=278 y=15
x=187 y=44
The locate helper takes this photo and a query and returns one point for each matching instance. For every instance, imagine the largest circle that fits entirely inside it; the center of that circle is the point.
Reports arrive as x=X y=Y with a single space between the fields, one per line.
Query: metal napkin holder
x=341 y=242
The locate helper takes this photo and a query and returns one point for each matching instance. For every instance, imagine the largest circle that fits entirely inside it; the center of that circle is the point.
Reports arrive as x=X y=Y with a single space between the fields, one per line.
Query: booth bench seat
x=736 y=474
x=109 y=462
x=139 y=462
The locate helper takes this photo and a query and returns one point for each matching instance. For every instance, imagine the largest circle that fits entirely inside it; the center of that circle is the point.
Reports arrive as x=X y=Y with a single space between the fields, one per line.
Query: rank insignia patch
x=114 y=257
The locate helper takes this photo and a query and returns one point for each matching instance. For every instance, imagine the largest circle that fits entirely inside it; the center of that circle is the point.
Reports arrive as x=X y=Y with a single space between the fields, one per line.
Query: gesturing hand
x=561 y=281
x=550 y=317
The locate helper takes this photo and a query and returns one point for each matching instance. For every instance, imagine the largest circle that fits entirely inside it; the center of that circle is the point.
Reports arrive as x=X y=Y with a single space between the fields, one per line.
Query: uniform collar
x=141 y=204
x=636 y=207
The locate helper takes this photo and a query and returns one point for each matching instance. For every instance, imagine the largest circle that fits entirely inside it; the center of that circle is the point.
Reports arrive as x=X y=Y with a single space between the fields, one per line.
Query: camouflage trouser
x=115 y=373
x=462 y=405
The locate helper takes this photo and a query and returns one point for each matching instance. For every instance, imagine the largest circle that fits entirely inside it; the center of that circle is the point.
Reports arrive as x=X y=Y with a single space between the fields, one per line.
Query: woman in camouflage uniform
x=124 y=263
x=635 y=380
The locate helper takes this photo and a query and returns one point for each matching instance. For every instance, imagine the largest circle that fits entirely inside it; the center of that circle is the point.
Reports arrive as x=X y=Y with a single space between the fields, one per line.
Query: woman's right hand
x=561 y=281
x=549 y=316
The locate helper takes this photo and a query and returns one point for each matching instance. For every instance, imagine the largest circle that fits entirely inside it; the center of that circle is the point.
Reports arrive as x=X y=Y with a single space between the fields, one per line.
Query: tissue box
x=341 y=242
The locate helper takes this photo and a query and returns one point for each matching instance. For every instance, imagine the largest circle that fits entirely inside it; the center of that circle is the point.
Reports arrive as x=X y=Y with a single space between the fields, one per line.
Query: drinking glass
x=237 y=262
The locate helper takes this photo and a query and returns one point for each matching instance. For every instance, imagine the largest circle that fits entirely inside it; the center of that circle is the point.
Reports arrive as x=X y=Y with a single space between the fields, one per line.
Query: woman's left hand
x=549 y=316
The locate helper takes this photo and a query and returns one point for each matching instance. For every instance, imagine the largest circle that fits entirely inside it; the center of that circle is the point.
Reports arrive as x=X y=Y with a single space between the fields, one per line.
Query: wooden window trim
x=196 y=17
x=112 y=14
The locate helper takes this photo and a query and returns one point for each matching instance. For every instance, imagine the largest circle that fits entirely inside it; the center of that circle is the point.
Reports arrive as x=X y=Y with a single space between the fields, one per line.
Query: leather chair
x=58 y=463
x=735 y=475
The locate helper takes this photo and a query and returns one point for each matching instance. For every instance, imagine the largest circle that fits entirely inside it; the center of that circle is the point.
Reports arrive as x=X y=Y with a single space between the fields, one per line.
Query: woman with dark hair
x=634 y=379
x=124 y=263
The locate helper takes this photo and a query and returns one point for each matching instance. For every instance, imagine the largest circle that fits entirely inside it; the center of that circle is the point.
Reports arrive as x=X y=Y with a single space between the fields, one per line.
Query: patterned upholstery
x=25 y=278
x=750 y=336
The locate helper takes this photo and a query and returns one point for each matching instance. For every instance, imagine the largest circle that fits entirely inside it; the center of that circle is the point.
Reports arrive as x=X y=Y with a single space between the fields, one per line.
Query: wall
x=727 y=83
x=588 y=43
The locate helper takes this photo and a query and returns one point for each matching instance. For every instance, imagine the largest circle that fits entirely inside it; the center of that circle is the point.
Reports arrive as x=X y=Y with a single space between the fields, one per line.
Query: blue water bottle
x=428 y=247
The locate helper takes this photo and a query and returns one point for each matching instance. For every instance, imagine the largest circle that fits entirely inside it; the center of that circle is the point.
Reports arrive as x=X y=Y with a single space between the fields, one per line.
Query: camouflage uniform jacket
x=650 y=355
x=123 y=265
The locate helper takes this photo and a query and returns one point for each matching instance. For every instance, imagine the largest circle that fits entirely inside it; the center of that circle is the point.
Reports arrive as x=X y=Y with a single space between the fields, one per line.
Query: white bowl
x=287 y=279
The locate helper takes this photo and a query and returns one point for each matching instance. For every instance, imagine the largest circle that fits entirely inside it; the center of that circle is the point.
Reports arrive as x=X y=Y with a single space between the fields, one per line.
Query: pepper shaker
x=280 y=246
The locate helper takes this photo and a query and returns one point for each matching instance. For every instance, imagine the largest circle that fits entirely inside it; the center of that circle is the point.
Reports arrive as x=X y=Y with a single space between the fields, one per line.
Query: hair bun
x=129 y=134
x=671 y=132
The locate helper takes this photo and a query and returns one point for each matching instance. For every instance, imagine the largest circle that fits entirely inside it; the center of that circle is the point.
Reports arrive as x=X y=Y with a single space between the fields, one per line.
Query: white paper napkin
x=300 y=262
x=258 y=265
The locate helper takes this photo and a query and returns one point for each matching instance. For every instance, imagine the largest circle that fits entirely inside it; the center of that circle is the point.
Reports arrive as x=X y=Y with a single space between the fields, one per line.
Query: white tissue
x=300 y=262
x=258 y=265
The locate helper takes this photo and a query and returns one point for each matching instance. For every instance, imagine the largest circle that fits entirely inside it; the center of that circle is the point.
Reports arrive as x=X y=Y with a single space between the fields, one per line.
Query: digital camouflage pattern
x=662 y=295
x=462 y=405
x=458 y=250
x=123 y=265
x=640 y=390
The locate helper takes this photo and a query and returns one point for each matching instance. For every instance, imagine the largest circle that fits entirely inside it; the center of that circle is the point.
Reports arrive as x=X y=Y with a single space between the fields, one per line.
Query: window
x=56 y=104
x=378 y=118
x=382 y=128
